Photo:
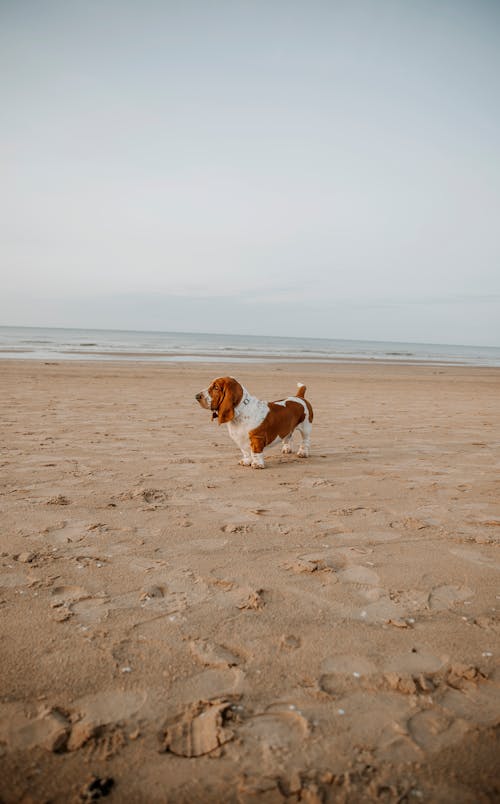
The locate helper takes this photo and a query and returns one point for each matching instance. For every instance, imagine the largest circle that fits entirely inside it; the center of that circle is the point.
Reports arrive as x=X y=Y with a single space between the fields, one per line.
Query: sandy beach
x=178 y=628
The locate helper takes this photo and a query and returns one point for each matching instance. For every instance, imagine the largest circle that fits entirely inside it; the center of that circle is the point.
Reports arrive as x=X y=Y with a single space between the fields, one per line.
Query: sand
x=177 y=628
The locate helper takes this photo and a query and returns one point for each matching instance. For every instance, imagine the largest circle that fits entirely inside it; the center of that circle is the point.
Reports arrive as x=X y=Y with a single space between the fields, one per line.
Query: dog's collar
x=245 y=400
x=240 y=405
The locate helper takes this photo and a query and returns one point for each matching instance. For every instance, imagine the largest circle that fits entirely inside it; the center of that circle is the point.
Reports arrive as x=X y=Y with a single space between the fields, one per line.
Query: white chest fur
x=248 y=414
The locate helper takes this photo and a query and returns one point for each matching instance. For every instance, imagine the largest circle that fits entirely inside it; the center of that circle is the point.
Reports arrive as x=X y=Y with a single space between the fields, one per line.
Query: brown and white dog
x=254 y=424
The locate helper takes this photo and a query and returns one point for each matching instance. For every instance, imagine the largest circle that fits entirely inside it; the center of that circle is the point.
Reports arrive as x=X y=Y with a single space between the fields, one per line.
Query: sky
x=314 y=169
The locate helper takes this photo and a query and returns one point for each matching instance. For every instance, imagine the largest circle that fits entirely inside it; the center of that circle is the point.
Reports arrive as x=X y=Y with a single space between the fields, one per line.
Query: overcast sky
x=325 y=169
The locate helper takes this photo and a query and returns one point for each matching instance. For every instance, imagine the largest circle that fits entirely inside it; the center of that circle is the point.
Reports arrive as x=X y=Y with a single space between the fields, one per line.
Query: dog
x=254 y=424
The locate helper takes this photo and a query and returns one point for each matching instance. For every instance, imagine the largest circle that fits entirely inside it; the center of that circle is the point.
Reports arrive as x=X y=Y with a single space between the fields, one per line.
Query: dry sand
x=177 y=628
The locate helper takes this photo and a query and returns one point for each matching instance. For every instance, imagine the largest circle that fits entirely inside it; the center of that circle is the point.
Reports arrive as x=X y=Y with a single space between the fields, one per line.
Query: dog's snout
x=198 y=396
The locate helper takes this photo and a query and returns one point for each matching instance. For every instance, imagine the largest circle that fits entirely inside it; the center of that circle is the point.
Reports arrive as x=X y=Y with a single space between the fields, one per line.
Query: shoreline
x=264 y=360
x=104 y=345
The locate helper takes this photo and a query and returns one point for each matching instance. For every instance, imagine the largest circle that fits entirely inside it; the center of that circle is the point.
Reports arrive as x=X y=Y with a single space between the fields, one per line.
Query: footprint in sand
x=68 y=594
x=151 y=599
x=212 y=655
x=480 y=706
x=105 y=710
x=382 y=610
x=207 y=685
x=338 y=673
x=385 y=605
x=276 y=735
x=12 y=579
x=415 y=661
x=359 y=574
x=385 y=730
x=48 y=728
x=444 y=597
x=435 y=730
x=75 y=601
x=290 y=642
x=90 y=611
x=199 y=729
x=60 y=730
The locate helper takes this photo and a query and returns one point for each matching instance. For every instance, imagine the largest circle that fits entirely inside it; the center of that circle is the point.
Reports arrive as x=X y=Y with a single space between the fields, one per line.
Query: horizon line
x=248 y=335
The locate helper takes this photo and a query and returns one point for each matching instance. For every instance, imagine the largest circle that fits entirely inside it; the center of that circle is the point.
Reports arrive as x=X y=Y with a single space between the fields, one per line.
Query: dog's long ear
x=232 y=396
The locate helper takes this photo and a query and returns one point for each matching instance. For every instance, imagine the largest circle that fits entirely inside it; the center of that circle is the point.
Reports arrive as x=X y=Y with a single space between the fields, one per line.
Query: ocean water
x=95 y=344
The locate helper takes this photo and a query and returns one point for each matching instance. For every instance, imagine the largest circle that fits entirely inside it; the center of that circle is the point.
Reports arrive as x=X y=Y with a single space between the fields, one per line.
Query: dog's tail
x=301 y=390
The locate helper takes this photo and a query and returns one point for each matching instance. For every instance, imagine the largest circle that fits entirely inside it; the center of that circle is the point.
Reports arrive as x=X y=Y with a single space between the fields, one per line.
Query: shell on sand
x=198 y=730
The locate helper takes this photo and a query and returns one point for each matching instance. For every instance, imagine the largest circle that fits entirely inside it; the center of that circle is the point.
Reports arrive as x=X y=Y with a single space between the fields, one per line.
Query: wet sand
x=177 y=628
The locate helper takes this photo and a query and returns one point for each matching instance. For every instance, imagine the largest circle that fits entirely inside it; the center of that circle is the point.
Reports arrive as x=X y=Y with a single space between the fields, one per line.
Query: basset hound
x=254 y=424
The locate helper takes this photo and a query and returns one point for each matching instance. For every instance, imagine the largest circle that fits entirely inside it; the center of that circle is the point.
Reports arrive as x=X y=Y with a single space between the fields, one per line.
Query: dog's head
x=221 y=397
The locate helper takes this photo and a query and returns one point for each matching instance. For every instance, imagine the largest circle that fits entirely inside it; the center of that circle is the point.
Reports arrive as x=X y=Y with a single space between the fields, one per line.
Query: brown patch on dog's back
x=281 y=420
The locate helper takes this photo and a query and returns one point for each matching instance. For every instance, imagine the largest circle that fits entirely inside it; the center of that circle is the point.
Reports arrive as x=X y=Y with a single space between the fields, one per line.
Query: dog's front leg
x=247 y=457
x=257 y=444
x=258 y=460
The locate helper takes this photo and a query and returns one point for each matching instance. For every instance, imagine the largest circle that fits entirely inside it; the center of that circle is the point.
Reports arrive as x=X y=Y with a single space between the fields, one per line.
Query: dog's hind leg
x=305 y=429
x=287 y=444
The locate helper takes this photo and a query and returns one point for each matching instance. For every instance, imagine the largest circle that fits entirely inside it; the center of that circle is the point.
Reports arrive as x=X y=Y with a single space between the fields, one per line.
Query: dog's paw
x=286 y=449
x=245 y=462
x=302 y=453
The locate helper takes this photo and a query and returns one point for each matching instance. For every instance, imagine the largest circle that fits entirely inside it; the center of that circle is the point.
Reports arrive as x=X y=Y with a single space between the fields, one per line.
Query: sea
x=54 y=344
